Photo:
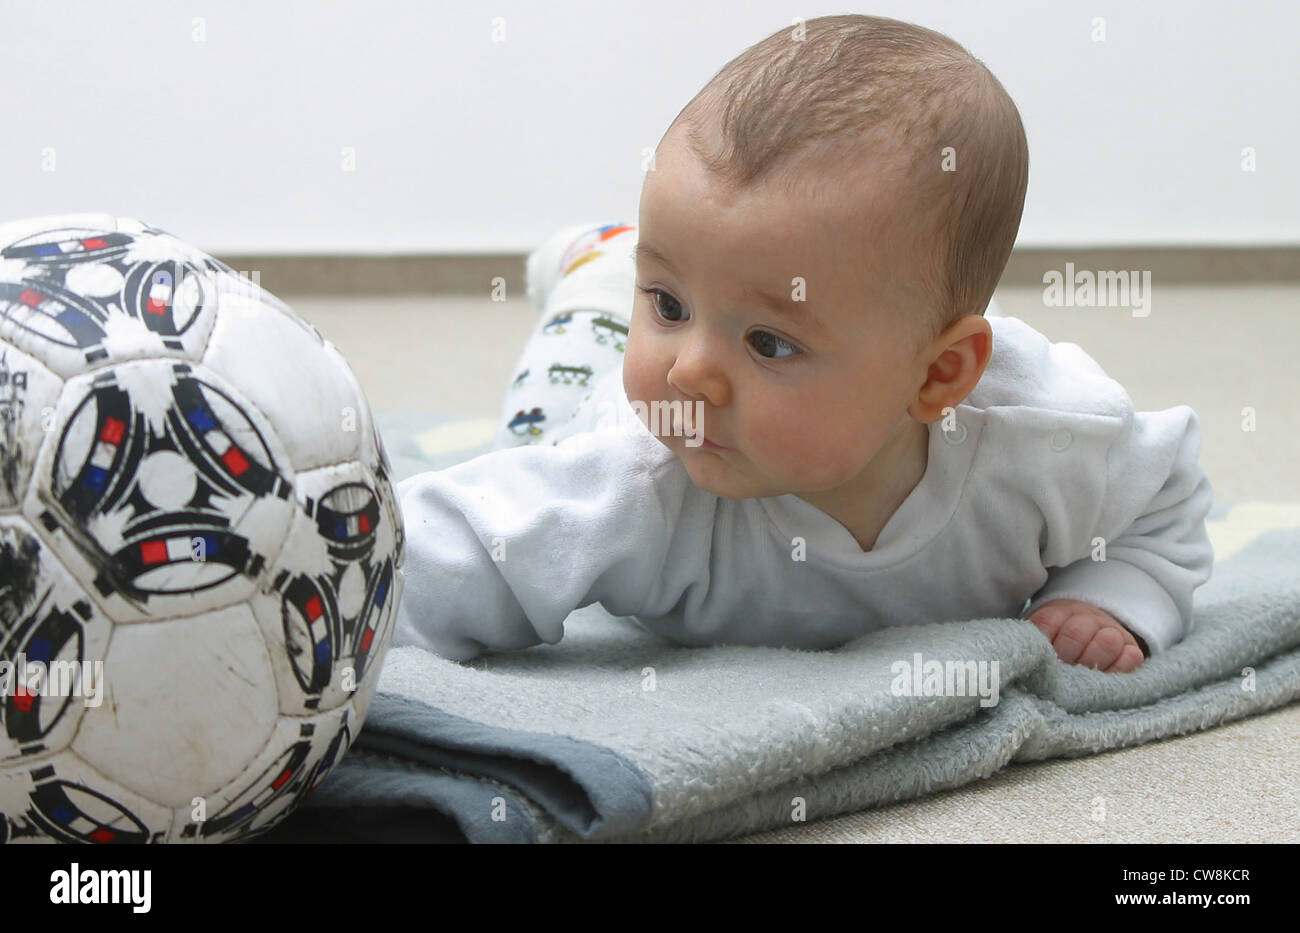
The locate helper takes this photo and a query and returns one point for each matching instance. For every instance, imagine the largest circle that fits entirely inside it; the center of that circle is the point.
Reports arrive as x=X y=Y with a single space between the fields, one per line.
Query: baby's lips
x=696 y=424
x=680 y=431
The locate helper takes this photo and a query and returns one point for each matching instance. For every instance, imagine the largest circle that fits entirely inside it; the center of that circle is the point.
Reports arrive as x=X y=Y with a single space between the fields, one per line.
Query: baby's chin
x=721 y=490
x=721 y=477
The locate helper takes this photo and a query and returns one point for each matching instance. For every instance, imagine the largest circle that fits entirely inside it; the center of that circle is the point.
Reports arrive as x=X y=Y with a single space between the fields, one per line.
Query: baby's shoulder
x=1026 y=370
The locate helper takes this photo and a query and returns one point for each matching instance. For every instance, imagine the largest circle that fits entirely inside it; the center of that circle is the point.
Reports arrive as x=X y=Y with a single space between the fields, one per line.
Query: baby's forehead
x=842 y=212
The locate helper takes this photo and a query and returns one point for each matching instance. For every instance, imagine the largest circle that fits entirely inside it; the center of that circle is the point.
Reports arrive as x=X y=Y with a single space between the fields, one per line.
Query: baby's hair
x=903 y=88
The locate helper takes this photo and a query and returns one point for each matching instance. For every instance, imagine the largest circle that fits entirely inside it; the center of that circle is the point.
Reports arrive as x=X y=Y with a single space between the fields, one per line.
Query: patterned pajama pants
x=569 y=349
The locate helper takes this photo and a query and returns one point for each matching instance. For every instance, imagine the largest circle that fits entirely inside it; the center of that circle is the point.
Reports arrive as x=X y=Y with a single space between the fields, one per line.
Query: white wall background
x=230 y=132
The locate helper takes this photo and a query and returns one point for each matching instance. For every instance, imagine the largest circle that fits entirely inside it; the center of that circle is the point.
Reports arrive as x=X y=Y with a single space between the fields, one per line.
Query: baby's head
x=820 y=232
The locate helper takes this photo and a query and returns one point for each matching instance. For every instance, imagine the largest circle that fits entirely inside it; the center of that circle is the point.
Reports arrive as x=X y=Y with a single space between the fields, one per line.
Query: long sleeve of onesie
x=1151 y=524
x=503 y=547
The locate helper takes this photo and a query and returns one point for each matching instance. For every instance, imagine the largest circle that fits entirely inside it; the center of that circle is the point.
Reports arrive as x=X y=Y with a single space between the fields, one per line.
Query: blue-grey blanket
x=617 y=735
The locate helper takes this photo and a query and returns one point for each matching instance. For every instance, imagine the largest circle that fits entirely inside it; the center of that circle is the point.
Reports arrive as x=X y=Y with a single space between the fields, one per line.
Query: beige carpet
x=1220 y=349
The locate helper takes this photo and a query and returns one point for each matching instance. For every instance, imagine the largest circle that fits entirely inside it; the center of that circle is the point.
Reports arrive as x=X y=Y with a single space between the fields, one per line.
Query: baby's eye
x=661 y=299
x=762 y=341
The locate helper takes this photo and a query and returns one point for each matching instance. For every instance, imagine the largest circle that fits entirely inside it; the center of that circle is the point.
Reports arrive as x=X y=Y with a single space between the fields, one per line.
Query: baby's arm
x=501 y=548
x=1152 y=522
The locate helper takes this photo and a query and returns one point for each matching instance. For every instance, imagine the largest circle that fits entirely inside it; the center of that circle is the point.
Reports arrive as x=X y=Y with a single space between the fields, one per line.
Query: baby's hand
x=1083 y=634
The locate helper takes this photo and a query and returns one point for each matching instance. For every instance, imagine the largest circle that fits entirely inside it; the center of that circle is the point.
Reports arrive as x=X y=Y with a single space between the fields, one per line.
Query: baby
x=816 y=433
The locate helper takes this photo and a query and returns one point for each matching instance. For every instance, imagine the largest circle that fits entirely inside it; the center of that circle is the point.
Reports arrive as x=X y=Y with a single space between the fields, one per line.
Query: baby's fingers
x=1074 y=636
x=1130 y=659
x=1049 y=619
x=1106 y=649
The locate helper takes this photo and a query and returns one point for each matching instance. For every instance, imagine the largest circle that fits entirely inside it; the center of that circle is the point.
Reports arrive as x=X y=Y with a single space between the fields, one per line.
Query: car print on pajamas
x=526 y=423
x=606 y=326
x=567 y=374
x=556 y=324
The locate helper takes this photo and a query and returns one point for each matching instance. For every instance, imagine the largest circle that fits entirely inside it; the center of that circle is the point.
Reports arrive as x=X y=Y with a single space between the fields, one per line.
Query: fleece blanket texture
x=616 y=735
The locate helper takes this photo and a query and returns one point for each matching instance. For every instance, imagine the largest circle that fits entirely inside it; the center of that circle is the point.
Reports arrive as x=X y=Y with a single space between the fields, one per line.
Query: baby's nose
x=698 y=376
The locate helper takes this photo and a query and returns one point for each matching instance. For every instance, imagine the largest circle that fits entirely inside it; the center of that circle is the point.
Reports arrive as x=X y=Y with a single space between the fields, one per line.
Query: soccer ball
x=200 y=549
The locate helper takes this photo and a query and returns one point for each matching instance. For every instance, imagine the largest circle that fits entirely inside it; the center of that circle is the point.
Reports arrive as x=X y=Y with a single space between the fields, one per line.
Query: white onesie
x=1045 y=484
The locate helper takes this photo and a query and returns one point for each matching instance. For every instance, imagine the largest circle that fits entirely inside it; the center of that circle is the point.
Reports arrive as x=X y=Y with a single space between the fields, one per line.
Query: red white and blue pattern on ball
x=162 y=510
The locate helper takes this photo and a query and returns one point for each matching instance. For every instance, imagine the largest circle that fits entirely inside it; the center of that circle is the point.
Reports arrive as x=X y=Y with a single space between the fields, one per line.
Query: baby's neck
x=865 y=504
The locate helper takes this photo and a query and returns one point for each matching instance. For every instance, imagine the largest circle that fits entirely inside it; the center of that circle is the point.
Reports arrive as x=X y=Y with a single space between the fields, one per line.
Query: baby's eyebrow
x=796 y=311
x=645 y=249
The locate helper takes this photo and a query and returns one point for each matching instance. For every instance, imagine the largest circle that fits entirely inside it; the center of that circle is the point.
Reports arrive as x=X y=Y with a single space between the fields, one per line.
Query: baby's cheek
x=804 y=451
x=638 y=379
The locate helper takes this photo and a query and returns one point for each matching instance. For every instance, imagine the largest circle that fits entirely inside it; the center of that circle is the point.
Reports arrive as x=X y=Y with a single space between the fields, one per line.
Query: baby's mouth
x=695 y=438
